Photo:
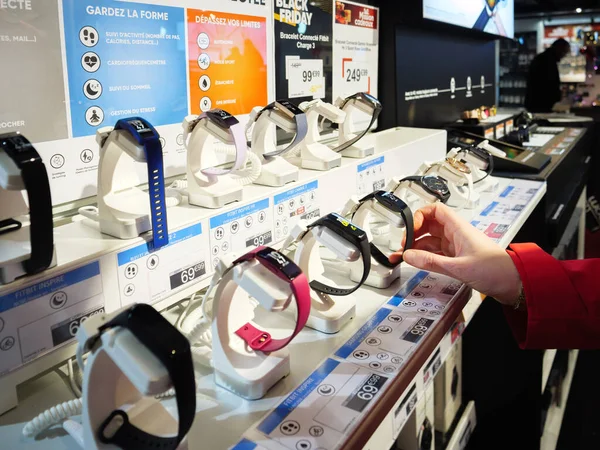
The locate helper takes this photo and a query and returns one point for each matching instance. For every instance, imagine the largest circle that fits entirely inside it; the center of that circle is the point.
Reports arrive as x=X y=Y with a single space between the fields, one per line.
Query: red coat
x=563 y=301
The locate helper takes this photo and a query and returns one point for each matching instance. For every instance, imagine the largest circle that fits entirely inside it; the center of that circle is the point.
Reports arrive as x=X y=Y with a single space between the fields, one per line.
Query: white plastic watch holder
x=462 y=193
x=239 y=369
x=481 y=181
x=276 y=170
x=15 y=247
x=208 y=191
x=313 y=153
x=380 y=276
x=328 y=314
x=348 y=131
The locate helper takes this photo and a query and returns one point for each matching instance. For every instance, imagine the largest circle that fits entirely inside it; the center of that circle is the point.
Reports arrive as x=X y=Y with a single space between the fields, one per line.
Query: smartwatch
x=458 y=165
x=35 y=179
x=173 y=350
x=228 y=123
x=431 y=184
x=365 y=99
x=351 y=233
x=392 y=203
x=284 y=268
x=147 y=136
x=292 y=111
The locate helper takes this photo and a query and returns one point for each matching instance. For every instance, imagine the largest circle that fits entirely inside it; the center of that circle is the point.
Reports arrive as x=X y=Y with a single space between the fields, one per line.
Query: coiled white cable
x=52 y=416
x=249 y=174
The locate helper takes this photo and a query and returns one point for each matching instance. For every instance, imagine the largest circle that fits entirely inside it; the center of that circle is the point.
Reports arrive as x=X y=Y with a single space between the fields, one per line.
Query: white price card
x=147 y=276
x=497 y=217
x=240 y=229
x=370 y=176
x=322 y=411
x=292 y=206
x=44 y=315
x=306 y=78
x=356 y=76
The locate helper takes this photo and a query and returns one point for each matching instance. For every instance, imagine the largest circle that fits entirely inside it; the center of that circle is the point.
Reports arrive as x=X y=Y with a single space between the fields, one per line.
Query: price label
x=240 y=229
x=293 y=205
x=146 y=277
x=356 y=76
x=187 y=275
x=370 y=176
x=41 y=316
x=306 y=78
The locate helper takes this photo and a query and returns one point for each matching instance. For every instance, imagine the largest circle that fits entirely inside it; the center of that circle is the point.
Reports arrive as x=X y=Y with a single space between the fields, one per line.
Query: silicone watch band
x=156 y=178
x=260 y=340
x=238 y=134
x=407 y=217
x=35 y=179
x=178 y=362
x=301 y=132
x=358 y=137
x=365 y=252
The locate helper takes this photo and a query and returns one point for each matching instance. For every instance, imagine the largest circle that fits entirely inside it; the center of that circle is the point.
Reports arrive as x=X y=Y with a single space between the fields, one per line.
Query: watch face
x=371 y=99
x=288 y=108
x=145 y=319
x=18 y=147
x=390 y=201
x=436 y=184
x=458 y=165
x=222 y=118
x=279 y=263
x=342 y=225
x=143 y=128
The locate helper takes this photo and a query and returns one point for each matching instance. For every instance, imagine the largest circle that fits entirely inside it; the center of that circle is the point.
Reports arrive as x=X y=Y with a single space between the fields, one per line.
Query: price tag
x=370 y=176
x=292 y=206
x=240 y=229
x=146 y=277
x=41 y=316
x=356 y=76
x=306 y=78
x=323 y=409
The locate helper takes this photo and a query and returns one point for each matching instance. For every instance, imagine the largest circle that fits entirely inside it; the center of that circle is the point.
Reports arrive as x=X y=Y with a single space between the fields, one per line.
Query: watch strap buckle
x=255 y=338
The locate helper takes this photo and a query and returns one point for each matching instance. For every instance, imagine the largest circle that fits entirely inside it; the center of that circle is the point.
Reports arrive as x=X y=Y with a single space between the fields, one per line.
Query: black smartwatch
x=173 y=350
x=392 y=203
x=35 y=178
x=351 y=233
x=369 y=100
x=432 y=184
x=292 y=111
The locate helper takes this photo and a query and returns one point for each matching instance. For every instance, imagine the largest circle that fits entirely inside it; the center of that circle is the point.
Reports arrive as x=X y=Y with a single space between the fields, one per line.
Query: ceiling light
x=578 y=10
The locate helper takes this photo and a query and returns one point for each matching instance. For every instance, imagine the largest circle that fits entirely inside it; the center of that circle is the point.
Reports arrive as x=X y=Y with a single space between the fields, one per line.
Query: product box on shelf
x=418 y=432
x=448 y=389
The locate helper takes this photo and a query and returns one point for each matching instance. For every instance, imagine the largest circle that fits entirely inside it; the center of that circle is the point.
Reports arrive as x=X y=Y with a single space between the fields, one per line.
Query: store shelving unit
x=222 y=418
x=515 y=57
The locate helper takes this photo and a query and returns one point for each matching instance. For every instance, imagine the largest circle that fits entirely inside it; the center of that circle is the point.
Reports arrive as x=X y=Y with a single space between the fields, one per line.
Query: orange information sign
x=227 y=61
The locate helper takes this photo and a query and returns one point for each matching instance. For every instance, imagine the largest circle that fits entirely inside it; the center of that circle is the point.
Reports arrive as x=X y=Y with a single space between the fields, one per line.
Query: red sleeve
x=562 y=297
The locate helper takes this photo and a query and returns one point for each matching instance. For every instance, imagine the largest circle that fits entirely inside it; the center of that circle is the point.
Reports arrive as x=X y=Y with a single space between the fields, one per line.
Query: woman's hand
x=447 y=244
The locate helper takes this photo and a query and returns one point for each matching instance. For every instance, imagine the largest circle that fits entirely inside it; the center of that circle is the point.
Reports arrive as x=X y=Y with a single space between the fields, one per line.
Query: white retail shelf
x=223 y=418
x=556 y=413
x=547 y=362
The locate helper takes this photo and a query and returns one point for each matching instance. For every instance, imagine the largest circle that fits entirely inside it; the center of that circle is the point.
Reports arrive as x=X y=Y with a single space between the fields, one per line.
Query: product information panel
x=301 y=203
x=41 y=316
x=241 y=229
x=370 y=176
x=147 y=276
x=496 y=218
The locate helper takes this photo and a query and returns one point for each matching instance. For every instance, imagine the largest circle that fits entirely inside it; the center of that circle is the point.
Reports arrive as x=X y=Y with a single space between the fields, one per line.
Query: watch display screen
x=222 y=118
x=288 y=108
x=342 y=226
x=371 y=99
x=436 y=184
x=18 y=147
x=278 y=262
x=143 y=128
x=390 y=201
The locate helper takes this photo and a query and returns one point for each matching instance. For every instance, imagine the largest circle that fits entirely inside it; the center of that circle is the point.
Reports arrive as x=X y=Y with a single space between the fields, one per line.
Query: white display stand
x=16 y=247
x=348 y=131
x=313 y=154
x=208 y=191
x=462 y=193
x=328 y=314
x=238 y=368
x=481 y=181
x=276 y=171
